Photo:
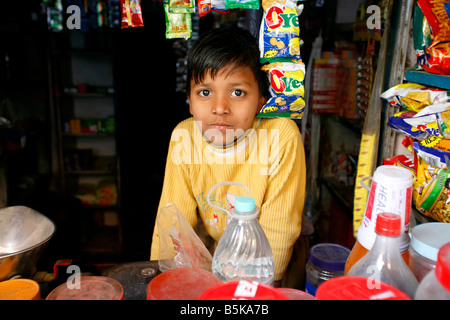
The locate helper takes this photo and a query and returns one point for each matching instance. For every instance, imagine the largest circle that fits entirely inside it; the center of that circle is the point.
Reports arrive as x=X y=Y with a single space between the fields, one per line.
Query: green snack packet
x=178 y=25
x=243 y=4
x=181 y=6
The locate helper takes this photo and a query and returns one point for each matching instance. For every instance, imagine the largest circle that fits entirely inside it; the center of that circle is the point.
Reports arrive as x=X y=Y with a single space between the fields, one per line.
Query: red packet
x=131 y=14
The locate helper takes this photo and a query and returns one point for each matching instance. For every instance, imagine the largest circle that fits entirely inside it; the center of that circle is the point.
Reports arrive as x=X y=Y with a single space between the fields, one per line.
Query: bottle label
x=310 y=288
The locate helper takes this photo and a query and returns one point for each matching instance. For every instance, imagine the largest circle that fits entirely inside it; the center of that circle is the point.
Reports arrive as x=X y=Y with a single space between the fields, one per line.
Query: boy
x=224 y=141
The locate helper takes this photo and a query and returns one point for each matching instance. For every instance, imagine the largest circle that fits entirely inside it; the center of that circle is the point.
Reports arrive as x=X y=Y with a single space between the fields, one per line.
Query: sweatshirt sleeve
x=177 y=185
x=282 y=209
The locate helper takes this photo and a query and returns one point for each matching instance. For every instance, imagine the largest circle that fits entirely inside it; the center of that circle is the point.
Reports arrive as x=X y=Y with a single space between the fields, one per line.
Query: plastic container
x=436 y=284
x=384 y=261
x=358 y=288
x=390 y=191
x=242 y=290
x=19 y=289
x=426 y=240
x=88 y=288
x=181 y=284
x=326 y=261
x=243 y=252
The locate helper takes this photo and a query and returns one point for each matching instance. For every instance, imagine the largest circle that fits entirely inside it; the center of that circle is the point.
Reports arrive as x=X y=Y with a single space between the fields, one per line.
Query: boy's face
x=225 y=106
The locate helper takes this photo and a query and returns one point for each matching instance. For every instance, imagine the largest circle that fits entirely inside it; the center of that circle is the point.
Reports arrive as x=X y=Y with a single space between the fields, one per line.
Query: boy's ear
x=262 y=102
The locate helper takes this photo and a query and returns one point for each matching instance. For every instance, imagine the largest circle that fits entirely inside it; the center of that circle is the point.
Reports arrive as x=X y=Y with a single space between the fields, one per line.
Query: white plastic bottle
x=243 y=252
x=436 y=284
x=384 y=261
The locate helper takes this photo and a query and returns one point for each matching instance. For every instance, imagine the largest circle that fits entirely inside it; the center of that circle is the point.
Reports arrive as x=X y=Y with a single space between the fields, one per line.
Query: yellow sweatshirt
x=269 y=159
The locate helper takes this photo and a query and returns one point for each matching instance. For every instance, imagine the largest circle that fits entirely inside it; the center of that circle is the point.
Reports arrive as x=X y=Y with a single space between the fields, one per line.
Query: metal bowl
x=24 y=233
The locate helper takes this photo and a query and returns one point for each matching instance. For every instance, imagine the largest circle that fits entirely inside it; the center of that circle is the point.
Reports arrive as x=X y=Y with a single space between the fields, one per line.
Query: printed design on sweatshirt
x=204 y=206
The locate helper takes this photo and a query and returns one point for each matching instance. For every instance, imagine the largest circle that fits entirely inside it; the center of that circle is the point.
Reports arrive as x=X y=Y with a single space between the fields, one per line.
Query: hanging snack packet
x=243 y=4
x=218 y=6
x=178 y=25
x=181 y=6
x=131 y=14
x=286 y=90
x=279 y=36
x=414 y=96
x=421 y=36
x=204 y=7
x=438 y=53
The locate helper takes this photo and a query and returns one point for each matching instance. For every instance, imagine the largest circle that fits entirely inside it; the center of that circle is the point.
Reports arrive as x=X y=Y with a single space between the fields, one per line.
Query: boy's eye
x=238 y=93
x=204 y=92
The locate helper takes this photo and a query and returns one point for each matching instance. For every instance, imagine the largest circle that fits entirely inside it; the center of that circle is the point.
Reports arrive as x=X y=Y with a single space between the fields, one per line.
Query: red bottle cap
x=443 y=266
x=388 y=224
x=242 y=290
x=358 y=288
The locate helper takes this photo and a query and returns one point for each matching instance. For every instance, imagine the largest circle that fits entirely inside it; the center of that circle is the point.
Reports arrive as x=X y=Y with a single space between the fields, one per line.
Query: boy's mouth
x=220 y=126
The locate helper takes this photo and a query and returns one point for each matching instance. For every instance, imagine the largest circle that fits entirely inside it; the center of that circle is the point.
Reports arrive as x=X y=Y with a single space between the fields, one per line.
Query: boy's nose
x=220 y=106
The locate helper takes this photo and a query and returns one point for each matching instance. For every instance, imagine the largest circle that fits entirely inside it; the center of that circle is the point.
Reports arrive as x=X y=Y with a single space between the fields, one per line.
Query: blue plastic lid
x=244 y=205
x=329 y=256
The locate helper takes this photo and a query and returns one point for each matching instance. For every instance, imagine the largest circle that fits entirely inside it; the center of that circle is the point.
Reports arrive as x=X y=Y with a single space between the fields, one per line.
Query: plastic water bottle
x=436 y=284
x=384 y=261
x=243 y=252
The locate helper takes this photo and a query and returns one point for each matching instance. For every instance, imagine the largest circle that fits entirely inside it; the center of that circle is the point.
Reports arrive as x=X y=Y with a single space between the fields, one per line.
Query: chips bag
x=286 y=90
x=178 y=25
x=243 y=4
x=131 y=14
x=421 y=36
x=181 y=6
x=433 y=120
x=414 y=96
x=280 y=32
x=431 y=194
x=204 y=7
x=438 y=52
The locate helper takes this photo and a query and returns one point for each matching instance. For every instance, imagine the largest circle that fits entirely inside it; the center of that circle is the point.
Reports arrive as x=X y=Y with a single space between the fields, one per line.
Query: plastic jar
x=426 y=240
x=326 y=261
x=88 y=288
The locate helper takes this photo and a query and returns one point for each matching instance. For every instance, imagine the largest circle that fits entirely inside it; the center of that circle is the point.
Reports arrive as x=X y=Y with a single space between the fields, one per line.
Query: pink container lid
x=181 y=284
x=88 y=288
x=358 y=288
x=242 y=290
x=294 y=294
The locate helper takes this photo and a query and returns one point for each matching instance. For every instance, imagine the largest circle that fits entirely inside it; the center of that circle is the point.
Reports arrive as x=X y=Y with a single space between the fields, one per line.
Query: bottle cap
x=329 y=256
x=388 y=224
x=245 y=205
x=242 y=289
x=443 y=266
x=358 y=288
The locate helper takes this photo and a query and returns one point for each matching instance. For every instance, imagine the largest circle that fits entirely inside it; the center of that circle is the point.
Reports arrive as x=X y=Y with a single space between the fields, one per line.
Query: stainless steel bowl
x=24 y=233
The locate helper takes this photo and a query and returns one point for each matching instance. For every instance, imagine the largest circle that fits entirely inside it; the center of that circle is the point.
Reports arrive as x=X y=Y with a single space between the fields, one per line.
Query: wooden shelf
x=429 y=79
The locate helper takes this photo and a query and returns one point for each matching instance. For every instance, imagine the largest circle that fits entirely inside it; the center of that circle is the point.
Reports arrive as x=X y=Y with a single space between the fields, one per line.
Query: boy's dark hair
x=224 y=46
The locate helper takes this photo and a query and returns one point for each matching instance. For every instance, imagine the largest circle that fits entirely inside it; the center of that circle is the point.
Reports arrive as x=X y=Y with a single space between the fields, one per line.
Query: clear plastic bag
x=179 y=245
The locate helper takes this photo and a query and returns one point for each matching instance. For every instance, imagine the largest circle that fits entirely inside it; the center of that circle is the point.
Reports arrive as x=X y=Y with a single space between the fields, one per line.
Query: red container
x=88 y=288
x=358 y=288
x=243 y=290
x=181 y=284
